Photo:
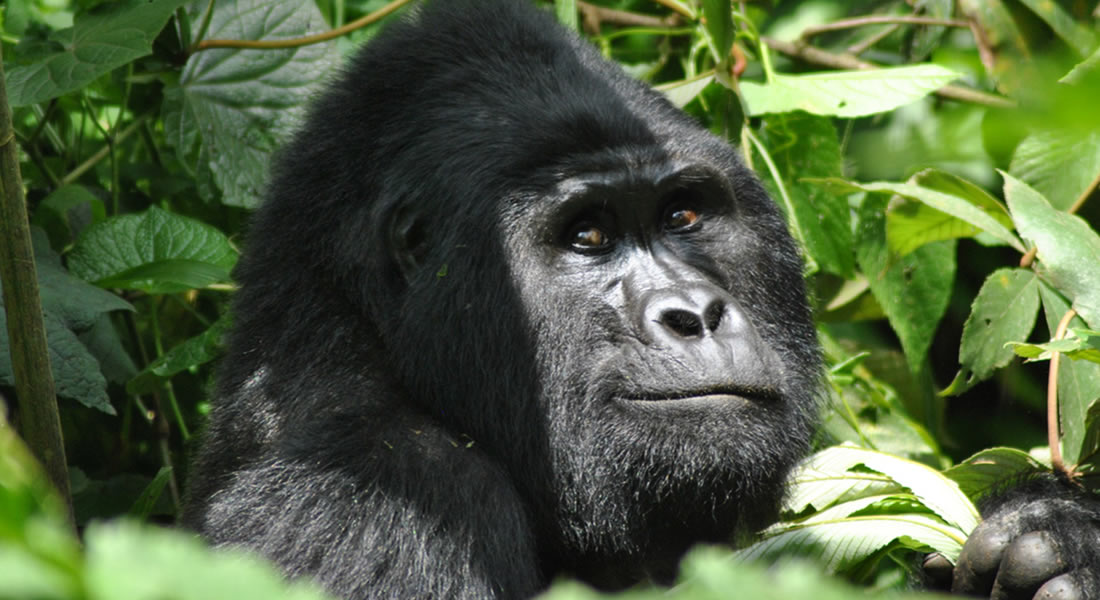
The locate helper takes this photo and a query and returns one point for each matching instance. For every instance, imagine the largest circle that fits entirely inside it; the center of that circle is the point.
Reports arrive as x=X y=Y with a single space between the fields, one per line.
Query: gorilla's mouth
x=704 y=397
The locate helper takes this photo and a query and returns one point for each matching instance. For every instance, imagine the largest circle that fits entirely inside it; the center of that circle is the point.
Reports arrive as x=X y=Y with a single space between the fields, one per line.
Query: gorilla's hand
x=1038 y=541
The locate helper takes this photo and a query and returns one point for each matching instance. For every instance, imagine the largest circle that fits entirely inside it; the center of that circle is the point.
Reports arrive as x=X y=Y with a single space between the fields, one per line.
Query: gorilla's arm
x=1041 y=540
x=381 y=506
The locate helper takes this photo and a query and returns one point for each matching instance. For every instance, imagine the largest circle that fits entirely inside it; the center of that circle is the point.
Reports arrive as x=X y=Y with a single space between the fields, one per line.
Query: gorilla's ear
x=408 y=238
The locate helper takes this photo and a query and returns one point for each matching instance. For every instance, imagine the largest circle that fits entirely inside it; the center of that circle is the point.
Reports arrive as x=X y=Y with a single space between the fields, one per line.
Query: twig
x=594 y=15
x=848 y=61
x=813 y=30
x=1052 y=399
x=309 y=39
x=861 y=47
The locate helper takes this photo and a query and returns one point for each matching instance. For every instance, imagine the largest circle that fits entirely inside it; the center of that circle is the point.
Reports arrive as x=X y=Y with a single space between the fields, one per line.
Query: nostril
x=712 y=316
x=682 y=322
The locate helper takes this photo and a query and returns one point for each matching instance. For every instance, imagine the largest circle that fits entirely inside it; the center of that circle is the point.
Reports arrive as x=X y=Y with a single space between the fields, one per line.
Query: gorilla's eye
x=588 y=238
x=681 y=219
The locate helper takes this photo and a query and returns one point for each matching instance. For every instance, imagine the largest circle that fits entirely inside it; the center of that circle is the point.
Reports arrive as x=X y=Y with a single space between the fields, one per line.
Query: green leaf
x=129 y=562
x=147 y=501
x=989 y=470
x=70 y=308
x=234 y=106
x=719 y=25
x=65 y=211
x=107 y=38
x=914 y=290
x=1059 y=164
x=156 y=251
x=683 y=92
x=801 y=146
x=840 y=544
x=846 y=93
x=566 y=11
x=1078 y=381
x=1077 y=345
x=198 y=350
x=1068 y=248
x=967 y=207
x=1004 y=311
x=910 y=224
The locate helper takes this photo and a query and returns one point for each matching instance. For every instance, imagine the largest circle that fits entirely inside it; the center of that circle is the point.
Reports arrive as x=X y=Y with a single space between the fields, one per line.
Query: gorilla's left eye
x=588 y=238
x=681 y=219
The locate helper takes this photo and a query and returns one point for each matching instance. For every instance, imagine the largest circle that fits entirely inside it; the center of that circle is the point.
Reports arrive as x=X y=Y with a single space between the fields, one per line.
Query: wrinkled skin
x=505 y=315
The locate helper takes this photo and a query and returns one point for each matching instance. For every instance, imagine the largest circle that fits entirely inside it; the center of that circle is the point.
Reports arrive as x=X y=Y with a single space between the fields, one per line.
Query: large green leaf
x=805 y=146
x=111 y=36
x=988 y=470
x=156 y=251
x=71 y=308
x=914 y=290
x=232 y=108
x=846 y=93
x=912 y=223
x=1003 y=311
x=1059 y=164
x=1068 y=248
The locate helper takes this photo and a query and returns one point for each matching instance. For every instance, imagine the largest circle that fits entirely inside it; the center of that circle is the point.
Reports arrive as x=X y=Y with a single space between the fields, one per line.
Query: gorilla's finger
x=938 y=571
x=980 y=558
x=1066 y=586
x=1028 y=563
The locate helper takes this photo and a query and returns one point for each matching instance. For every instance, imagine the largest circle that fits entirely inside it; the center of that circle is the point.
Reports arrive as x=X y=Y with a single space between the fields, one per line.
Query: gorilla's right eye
x=587 y=238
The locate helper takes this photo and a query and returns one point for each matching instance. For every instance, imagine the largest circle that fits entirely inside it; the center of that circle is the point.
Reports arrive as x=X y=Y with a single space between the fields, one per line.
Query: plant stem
x=39 y=421
x=811 y=31
x=1052 y=400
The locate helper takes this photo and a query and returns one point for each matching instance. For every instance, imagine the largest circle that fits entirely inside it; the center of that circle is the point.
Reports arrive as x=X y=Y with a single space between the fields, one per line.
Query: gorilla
x=506 y=314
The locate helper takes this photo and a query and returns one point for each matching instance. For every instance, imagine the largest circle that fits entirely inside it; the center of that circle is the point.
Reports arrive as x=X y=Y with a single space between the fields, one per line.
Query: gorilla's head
x=558 y=264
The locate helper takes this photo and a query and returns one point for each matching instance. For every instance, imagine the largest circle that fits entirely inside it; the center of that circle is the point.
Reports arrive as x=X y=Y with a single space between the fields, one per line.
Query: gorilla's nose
x=691 y=313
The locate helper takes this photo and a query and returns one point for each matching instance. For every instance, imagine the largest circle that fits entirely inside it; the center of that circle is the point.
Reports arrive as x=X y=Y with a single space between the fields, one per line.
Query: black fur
x=507 y=314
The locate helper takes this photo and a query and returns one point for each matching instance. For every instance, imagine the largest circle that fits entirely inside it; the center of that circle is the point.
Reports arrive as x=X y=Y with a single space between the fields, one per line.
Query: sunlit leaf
x=846 y=93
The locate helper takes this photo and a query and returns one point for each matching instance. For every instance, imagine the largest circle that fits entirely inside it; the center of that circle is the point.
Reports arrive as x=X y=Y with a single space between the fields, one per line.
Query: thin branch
x=1052 y=399
x=821 y=57
x=811 y=31
x=861 y=47
x=677 y=8
x=309 y=39
x=594 y=15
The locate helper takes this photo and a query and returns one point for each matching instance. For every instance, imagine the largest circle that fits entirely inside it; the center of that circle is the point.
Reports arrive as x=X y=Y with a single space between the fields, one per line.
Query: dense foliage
x=937 y=159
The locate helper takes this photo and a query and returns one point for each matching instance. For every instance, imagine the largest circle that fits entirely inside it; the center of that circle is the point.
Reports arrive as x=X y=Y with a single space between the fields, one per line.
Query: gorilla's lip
x=704 y=396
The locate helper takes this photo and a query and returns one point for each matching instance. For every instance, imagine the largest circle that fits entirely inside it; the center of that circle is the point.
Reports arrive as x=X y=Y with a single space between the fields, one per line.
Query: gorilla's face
x=667 y=307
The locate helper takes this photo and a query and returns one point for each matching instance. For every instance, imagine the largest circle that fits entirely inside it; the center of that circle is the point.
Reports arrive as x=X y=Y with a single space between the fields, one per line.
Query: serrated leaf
x=843 y=543
x=910 y=223
x=1059 y=164
x=156 y=251
x=939 y=494
x=988 y=470
x=244 y=104
x=1003 y=311
x=110 y=37
x=846 y=93
x=1068 y=248
x=1078 y=381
